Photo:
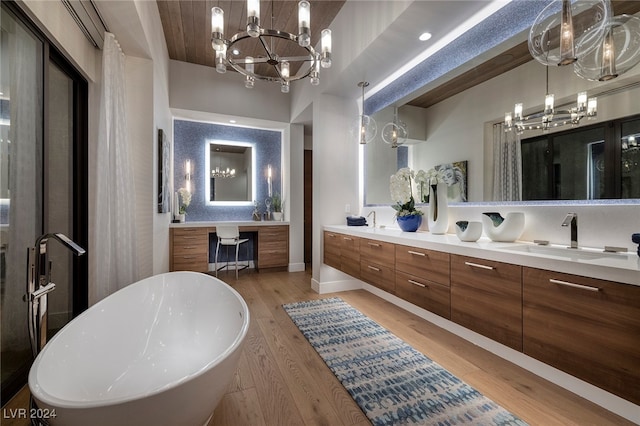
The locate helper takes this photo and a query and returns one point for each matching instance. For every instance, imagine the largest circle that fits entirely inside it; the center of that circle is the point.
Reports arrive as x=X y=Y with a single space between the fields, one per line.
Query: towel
x=356 y=221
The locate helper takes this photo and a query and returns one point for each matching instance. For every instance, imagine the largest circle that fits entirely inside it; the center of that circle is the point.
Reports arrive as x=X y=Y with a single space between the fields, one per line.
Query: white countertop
x=204 y=224
x=619 y=267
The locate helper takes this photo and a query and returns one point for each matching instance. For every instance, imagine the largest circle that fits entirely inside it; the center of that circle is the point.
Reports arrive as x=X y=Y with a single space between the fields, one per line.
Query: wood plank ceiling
x=187 y=26
x=187 y=30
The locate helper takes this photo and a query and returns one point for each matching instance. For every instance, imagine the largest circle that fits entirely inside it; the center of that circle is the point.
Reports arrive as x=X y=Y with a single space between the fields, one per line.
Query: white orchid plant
x=185 y=196
x=401 y=188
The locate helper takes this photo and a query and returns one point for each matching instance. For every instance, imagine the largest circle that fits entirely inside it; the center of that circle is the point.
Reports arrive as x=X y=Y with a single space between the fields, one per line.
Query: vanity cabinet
x=422 y=278
x=377 y=264
x=273 y=246
x=189 y=249
x=342 y=252
x=586 y=327
x=486 y=297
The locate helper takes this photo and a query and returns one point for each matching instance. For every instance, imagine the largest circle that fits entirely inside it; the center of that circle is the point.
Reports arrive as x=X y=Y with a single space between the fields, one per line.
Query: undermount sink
x=566 y=252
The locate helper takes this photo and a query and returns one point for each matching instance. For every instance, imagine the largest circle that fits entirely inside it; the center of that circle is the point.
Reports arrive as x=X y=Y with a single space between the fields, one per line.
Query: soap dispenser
x=636 y=239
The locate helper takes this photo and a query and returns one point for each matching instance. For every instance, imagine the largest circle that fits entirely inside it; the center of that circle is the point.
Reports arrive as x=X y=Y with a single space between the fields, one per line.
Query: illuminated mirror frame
x=207 y=179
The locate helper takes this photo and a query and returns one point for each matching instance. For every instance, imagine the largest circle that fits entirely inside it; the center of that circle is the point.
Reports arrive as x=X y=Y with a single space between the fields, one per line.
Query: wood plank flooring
x=281 y=380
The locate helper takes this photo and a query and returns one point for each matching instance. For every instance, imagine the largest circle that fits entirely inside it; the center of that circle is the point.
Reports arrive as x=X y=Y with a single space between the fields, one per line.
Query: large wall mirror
x=596 y=160
x=230 y=176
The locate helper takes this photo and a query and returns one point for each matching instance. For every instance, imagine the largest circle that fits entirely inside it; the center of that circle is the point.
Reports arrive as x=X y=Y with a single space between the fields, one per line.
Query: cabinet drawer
x=272 y=258
x=331 y=249
x=380 y=276
x=190 y=233
x=350 y=247
x=194 y=262
x=486 y=297
x=379 y=252
x=274 y=233
x=429 y=264
x=421 y=292
x=586 y=327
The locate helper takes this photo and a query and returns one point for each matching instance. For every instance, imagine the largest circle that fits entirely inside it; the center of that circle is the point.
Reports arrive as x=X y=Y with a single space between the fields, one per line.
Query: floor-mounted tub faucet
x=39 y=285
x=572 y=220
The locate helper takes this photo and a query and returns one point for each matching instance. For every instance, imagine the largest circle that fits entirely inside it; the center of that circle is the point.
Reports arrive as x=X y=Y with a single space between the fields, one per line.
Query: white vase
x=277 y=216
x=438 y=214
x=180 y=217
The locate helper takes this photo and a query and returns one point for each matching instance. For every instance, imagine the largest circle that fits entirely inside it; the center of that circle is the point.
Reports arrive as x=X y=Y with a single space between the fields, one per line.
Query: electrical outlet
x=347 y=208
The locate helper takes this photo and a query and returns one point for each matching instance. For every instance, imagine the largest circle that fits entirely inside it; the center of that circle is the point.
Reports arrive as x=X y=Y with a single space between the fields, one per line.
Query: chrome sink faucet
x=373 y=212
x=572 y=220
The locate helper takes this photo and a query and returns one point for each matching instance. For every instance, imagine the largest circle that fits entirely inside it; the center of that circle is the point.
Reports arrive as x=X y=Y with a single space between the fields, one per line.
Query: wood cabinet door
x=486 y=297
x=189 y=249
x=428 y=264
x=378 y=252
x=350 y=255
x=331 y=249
x=377 y=275
x=273 y=246
x=587 y=327
x=432 y=296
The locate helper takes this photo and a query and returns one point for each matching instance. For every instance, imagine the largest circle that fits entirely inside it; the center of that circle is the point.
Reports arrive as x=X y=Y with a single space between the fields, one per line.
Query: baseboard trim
x=335 y=286
x=296 y=267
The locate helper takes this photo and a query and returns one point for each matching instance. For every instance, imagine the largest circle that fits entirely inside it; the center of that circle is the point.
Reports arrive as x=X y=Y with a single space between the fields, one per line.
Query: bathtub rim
x=55 y=401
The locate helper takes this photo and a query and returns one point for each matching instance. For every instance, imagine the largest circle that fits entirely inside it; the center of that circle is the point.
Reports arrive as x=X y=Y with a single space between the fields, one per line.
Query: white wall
x=294 y=204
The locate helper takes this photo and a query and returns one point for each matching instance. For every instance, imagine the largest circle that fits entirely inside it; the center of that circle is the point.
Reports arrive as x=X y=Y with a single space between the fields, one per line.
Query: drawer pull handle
x=477 y=265
x=188 y=257
x=568 y=284
x=190 y=237
x=374 y=268
x=417 y=253
x=331 y=235
x=374 y=244
x=416 y=283
x=347 y=238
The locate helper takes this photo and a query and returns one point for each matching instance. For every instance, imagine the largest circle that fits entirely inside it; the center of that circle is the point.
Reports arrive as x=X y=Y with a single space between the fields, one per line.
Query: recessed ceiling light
x=232 y=121
x=235 y=52
x=424 y=36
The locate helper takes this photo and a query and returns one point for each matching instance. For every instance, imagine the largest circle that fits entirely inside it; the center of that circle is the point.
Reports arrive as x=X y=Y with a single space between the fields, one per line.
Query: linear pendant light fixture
x=273 y=42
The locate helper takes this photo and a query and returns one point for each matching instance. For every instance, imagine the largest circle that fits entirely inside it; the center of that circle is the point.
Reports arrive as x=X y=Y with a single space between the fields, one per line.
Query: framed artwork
x=455 y=176
x=164 y=196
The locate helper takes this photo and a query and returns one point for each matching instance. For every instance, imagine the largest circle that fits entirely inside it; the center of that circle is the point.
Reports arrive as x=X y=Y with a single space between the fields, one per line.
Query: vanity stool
x=229 y=235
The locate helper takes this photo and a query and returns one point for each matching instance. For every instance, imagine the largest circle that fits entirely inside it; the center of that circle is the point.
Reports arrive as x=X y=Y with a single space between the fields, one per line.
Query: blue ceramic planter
x=409 y=223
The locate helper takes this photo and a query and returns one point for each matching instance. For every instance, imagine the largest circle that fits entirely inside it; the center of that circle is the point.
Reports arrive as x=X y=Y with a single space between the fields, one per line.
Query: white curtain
x=507 y=165
x=113 y=254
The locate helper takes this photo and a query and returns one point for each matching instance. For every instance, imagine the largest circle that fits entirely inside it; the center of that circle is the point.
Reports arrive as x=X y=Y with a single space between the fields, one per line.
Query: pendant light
x=395 y=132
x=367 y=127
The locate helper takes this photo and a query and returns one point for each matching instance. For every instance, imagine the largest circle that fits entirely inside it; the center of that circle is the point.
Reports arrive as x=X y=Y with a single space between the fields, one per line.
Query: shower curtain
x=507 y=165
x=113 y=254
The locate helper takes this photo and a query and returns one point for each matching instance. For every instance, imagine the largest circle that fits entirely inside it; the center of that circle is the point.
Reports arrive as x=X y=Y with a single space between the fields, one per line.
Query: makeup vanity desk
x=189 y=244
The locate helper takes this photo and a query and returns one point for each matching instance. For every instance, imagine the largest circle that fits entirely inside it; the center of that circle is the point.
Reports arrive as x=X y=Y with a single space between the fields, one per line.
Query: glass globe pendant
x=395 y=132
x=617 y=53
x=564 y=31
x=367 y=126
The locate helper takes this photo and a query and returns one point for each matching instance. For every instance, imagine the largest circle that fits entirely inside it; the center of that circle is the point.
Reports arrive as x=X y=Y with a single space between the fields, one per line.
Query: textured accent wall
x=190 y=139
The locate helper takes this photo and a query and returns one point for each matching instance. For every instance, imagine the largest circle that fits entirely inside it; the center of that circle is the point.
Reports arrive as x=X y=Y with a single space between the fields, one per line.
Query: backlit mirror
x=230 y=177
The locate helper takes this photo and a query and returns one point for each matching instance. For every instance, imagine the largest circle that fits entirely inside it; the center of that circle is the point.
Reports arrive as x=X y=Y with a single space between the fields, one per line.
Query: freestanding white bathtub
x=161 y=351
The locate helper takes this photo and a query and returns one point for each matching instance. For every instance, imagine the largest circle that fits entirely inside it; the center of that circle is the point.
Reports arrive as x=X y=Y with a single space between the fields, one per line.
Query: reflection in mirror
x=231 y=177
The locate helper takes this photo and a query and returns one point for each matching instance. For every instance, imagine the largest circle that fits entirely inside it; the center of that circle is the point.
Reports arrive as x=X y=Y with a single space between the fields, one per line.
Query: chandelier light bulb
x=567 y=48
x=284 y=87
x=325 y=39
x=221 y=60
x=217 y=28
x=548 y=104
x=304 y=19
x=284 y=69
x=253 y=18
x=517 y=111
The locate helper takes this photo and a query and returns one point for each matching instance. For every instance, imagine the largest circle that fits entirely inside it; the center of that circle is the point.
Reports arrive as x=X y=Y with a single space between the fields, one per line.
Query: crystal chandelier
x=271 y=65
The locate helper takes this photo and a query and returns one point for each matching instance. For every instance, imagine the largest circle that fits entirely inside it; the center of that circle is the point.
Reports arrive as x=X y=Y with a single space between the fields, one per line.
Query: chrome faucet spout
x=572 y=221
x=373 y=212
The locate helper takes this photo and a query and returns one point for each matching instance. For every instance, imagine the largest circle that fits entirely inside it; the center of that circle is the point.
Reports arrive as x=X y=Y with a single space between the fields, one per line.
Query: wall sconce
x=187 y=175
x=269 y=183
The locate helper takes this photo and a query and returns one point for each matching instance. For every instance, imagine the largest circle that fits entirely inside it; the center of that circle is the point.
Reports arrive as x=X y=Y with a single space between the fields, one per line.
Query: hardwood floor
x=281 y=380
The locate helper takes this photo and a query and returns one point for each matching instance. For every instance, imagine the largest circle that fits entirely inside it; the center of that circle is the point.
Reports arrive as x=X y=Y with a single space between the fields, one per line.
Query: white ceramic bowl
x=468 y=231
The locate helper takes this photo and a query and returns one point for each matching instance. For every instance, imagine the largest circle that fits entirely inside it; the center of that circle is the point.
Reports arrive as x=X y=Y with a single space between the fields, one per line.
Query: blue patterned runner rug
x=391 y=382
